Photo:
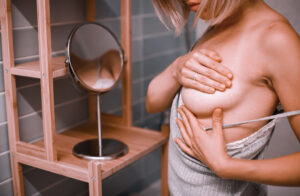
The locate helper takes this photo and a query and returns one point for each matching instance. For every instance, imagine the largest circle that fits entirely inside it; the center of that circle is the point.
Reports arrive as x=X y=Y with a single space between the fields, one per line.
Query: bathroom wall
x=153 y=49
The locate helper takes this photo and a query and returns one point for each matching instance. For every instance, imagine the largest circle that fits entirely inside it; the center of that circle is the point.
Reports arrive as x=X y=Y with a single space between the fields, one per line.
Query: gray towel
x=188 y=176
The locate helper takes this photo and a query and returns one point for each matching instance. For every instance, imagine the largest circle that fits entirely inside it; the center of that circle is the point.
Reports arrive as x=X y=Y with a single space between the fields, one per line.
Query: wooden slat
x=90 y=10
x=58 y=167
x=32 y=69
x=164 y=162
x=95 y=179
x=10 y=93
x=140 y=142
x=44 y=35
x=127 y=73
x=31 y=149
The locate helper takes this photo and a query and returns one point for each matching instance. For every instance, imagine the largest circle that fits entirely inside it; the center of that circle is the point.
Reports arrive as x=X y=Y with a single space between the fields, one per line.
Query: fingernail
x=228 y=83
x=229 y=75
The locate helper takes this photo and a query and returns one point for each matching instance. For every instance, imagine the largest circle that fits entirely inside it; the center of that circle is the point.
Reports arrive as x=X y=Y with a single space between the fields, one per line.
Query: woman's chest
x=249 y=79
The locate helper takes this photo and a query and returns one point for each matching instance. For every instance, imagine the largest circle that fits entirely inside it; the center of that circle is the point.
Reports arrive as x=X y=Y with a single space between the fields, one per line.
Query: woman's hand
x=207 y=146
x=202 y=70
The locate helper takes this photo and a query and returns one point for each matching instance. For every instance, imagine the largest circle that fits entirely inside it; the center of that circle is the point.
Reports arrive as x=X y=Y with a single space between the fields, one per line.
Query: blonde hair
x=176 y=12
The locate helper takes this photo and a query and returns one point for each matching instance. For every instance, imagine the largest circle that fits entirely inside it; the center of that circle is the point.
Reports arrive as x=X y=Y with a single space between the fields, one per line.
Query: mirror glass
x=95 y=57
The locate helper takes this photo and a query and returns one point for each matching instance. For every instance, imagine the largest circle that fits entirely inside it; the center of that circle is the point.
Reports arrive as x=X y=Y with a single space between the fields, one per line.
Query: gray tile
x=68 y=187
x=23 y=81
x=136 y=91
x=59 y=36
x=111 y=100
x=156 y=45
x=29 y=100
x=3 y=108
x=136 y=70
x=25 y=42
x=71 y=114
x=121 y=184
x=5 y=167
x=137 y=50
x=67 y=10
x=136 y=112
x=154 y=121
x=36 y=180
x=114 y=26
x=153 y=25
x=146 y=84
x=3 y=138
x=1 y=78
x=147 y=7
x=6 y=189
x=108 y=8
x=22 y=14
x=137 y=27
x=31 y=128
x=65 y=90
x=158 y=64
x=136 y=7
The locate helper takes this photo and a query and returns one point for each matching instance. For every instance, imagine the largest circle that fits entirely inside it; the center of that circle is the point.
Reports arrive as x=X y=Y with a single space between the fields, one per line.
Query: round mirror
x=95 y=57
x=95 y=60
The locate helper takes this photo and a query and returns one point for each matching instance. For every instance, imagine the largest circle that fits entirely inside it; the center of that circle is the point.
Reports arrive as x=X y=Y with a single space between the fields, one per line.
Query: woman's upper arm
x=282 y=48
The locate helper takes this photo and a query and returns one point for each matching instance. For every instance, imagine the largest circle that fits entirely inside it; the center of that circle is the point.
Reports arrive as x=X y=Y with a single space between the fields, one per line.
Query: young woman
x=246 y=63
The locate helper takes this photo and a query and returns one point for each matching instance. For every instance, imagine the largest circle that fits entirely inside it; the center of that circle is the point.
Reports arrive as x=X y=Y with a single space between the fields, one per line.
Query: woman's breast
x=202 y=104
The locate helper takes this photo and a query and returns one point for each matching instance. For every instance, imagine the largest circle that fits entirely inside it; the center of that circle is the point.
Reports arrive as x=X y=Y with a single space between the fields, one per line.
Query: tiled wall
x=153 y=49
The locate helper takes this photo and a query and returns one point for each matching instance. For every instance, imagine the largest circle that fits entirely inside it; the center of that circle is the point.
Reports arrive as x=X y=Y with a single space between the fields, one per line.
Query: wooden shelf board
x=32 y=69
x=140 y=142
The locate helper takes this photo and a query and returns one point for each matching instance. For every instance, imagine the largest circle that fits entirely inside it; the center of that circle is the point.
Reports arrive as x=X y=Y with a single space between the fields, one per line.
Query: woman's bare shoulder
x=280 y=44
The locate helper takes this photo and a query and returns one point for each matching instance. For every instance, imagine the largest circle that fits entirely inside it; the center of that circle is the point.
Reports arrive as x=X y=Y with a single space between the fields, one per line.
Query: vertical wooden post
x=10 y=93
x=95 y=179
x=90 y=15
x=127 y=74
x=164 y=162
x=44 y=35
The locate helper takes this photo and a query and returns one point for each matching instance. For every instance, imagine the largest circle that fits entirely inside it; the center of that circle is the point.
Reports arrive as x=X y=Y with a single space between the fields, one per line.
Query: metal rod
x=99 y=125
x=285 y=114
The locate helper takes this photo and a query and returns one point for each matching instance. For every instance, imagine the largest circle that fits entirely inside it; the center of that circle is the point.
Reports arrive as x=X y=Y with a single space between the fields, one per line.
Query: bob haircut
x=176 y=12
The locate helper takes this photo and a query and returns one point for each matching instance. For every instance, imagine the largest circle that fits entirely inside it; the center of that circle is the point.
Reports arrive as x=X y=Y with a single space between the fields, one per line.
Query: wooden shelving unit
x=54 y=152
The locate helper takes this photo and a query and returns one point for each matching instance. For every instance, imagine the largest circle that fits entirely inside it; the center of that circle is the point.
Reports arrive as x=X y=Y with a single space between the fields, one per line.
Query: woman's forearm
x=283 y=170
x=162 y=90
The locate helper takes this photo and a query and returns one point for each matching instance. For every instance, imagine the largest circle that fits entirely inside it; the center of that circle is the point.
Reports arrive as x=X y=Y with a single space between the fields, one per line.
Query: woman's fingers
x=183 y=132
x=212 y=54
x=217 y=119
x=207 y=72
x=203 y=78
x=192 y=121
x=190 y=83
x=216 y=66
x=184 y=147
x=185 y=121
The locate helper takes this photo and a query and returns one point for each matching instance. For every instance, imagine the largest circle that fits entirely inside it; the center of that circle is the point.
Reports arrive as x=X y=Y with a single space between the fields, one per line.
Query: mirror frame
x=68 y=57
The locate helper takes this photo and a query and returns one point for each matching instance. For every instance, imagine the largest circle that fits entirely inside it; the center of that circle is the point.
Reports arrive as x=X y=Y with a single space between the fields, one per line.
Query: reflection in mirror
x=95 y=57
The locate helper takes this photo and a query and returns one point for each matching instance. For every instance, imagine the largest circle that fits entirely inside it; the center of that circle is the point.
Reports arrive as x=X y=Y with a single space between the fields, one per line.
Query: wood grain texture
x=45 y=53
x=95 y=179
x=127 y=73
x=164 y=162
x=10 y=93
x=140 y=142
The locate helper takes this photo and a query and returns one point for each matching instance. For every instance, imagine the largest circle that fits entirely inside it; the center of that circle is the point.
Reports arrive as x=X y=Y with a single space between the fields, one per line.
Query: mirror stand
x=100 y=149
